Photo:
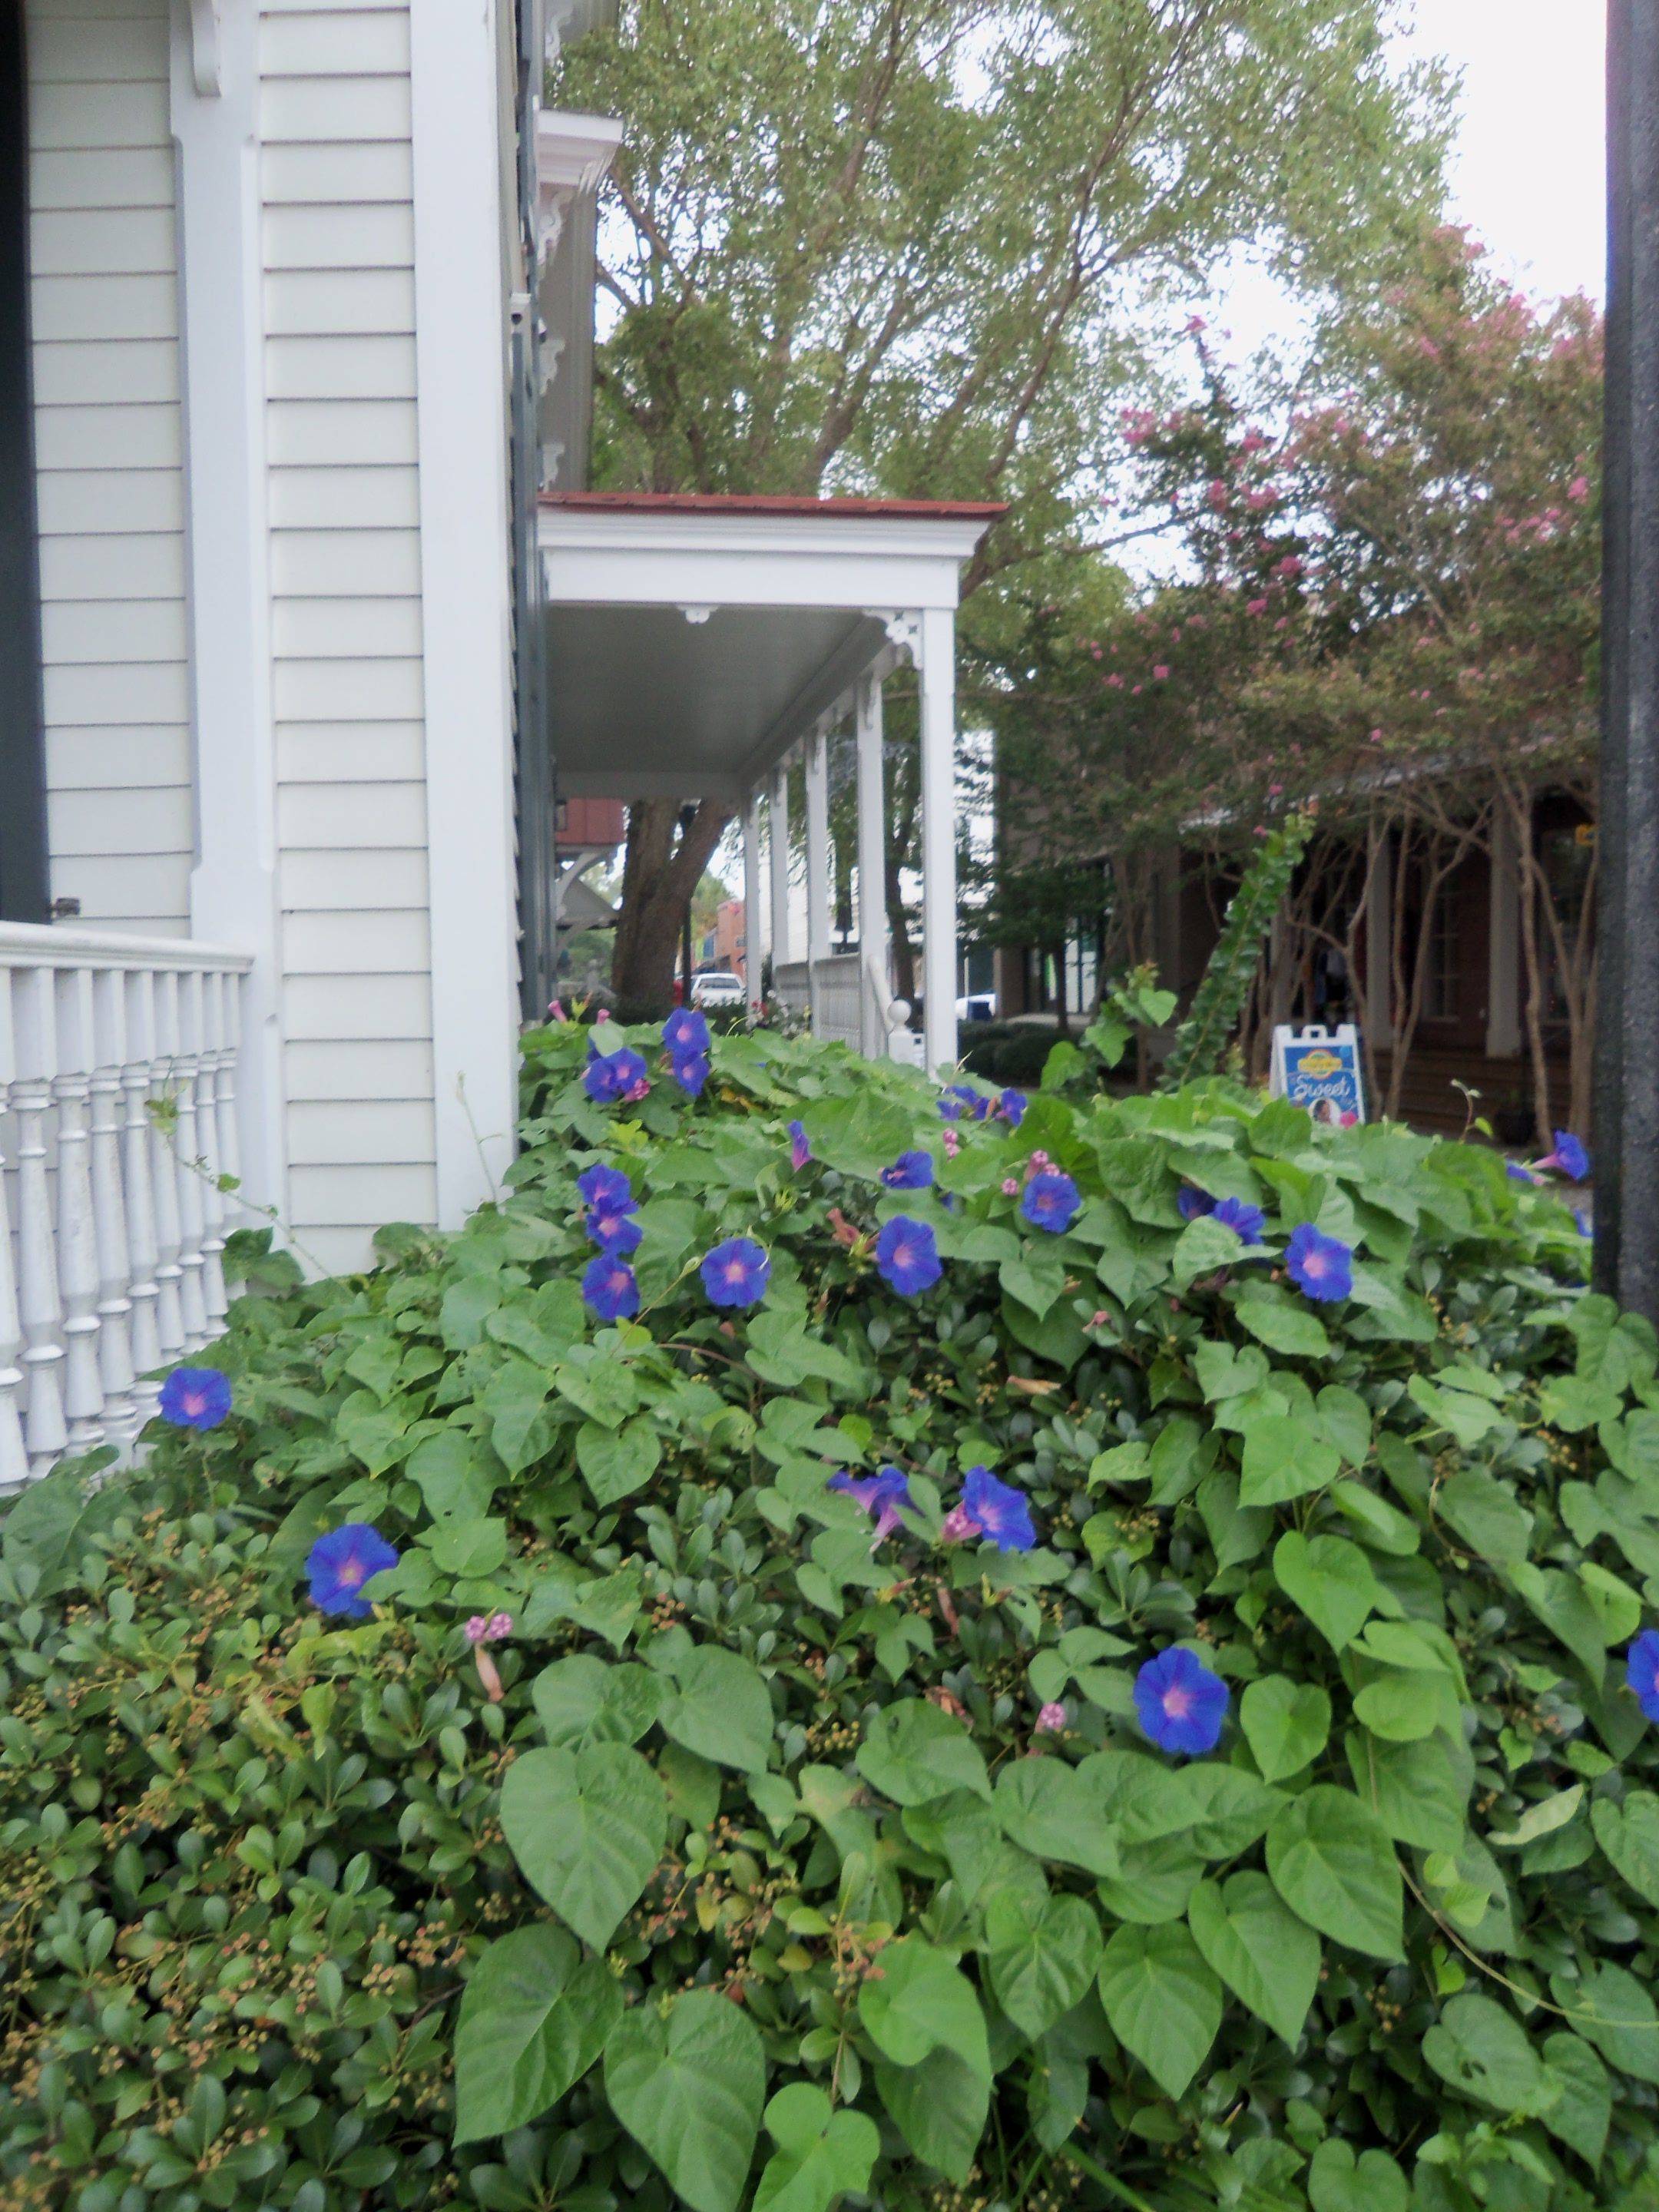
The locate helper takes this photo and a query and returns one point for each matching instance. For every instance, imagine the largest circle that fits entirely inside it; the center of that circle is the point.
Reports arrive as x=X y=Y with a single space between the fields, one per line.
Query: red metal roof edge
x=766 y=503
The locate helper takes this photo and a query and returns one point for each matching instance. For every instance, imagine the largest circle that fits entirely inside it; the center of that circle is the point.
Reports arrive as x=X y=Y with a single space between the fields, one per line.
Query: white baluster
x=40 y=1306
x=139 y=1181
x=13 y=1454
x=187 y=1153
x=202 y=1001
x=163 y=1038
x=77 y=1237
x=230 y=1149
x=109 y=1211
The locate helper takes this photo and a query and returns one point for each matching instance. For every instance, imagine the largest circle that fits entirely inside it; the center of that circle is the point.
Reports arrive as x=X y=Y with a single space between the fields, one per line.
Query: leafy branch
x=1219 y=999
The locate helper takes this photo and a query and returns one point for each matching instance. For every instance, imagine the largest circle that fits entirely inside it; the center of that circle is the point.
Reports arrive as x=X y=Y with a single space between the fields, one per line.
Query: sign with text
x=1319 y=1068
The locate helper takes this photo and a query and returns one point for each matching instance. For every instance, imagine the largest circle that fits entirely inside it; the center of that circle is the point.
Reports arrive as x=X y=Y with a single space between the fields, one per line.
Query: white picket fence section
x=117 y=1114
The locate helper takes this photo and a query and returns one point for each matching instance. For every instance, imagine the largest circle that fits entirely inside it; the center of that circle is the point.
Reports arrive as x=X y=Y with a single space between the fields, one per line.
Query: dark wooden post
x=1627 y=1034
x=24 y=895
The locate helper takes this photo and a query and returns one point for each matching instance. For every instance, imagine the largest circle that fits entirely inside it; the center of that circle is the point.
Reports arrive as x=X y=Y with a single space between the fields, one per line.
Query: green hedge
x=778 y=1855
x=1006 y=1051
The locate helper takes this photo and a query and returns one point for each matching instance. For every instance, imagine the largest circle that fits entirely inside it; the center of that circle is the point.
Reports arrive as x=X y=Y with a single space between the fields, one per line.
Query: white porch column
x=871 y=866
x=751 y=900
x=818 y=848
x=460 y=322
x=1379 y=942
x=938 y=836
x=777 y=854
x=1503 y=942
x=215 y=67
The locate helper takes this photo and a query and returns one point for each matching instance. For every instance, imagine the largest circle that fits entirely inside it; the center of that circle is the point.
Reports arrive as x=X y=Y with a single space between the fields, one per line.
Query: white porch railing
x=117 y=1114
x=832 y=990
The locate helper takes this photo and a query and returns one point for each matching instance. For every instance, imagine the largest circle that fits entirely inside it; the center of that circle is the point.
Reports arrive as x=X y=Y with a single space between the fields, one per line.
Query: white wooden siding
x=345 y=571
x=109 y=451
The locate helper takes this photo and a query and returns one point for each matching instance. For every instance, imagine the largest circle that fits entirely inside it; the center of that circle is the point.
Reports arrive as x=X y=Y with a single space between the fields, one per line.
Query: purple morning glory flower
x=1050 y=1201
x=800 y=1151
x=691 y=1071
x=997 y=1511
x=685 y=1034
x=1180 y=1704
x=600 y=1186
x=613 y=1228
x=1642 y=1672
x=909 y=1171
x=881 y=1494
x=341 y=1562
x=610 y=1289
x=1570 y=1156
x=195 y=1398
x=610 y=1076
x=906 y=1258
x=1191 y=1203
x=1010 y=1108
x=1322 y=1267
x=1238 y=1214
x=1517 y=1173
x=1582 y=1219
x=736 y=1273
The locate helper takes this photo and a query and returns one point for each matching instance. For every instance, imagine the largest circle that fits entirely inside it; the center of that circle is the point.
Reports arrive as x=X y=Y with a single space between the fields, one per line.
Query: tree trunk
x=660 y=879
x=898 y=932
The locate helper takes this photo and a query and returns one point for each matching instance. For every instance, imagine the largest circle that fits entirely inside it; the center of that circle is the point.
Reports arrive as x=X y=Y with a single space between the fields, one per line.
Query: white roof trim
x=626 y=556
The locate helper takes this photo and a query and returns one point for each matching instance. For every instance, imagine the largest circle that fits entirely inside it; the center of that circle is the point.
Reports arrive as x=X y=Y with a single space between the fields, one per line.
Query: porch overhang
x=694 y=641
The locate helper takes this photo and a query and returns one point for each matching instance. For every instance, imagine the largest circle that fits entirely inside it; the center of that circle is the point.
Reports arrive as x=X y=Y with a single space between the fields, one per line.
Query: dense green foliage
x=755 y=1874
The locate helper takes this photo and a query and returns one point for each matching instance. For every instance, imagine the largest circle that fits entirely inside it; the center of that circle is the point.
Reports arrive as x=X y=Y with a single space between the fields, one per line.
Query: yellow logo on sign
x=1319 y=1062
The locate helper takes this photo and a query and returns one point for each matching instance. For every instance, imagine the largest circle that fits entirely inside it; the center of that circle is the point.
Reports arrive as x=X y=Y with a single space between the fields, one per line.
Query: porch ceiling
x=692 y=642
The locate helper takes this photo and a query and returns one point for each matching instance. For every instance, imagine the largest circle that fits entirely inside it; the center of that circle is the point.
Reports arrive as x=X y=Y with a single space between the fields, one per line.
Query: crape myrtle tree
x=905 y=246
x=1387 y=609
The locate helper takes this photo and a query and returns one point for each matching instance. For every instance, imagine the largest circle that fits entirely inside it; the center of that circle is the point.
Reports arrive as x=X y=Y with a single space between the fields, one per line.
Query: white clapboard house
x=302 y=612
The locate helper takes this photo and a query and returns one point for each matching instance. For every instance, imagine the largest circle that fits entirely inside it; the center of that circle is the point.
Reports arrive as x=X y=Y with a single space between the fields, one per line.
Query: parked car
x=977 y=1006
x=717 y=987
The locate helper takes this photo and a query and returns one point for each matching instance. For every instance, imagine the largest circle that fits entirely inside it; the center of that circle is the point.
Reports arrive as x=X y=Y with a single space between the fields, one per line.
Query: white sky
x=1529 y=173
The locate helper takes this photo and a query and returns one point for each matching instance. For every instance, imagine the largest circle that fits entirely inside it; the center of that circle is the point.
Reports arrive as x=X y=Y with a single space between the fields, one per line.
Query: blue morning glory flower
x=736 y=1273
x=909 y=1171
x=1585 y=1227
x=1642 y=1672
x=195 y=1398
x=1180 y=1704
x=800 y=1151
x=958 y=1103
x=1322 y=1267
x=691 y=1071
x=1001 y=1514
x=339 y=1564
x=610 y=1289
x=1237 y=1214
x=881 y=1494
x=610 y=1076
x=612 y=1230
x=1010 y=1108
x=685 y=1034
x=600 y=1186
x=907 y=1257
x=1570 y=1156
x=1050 y=1201
x=1517 y=1173
x=1191 y=1202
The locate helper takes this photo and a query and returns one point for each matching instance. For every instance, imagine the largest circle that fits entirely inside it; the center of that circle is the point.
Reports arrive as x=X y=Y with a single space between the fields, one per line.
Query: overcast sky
x=1529 y=173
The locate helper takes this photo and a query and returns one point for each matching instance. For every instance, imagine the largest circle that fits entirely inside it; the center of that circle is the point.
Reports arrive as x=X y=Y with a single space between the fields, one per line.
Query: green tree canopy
x=918 y=246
